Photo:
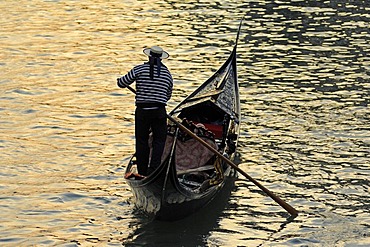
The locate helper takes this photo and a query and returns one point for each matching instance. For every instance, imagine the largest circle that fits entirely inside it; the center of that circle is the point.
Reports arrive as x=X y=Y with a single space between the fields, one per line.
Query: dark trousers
x=146 y=120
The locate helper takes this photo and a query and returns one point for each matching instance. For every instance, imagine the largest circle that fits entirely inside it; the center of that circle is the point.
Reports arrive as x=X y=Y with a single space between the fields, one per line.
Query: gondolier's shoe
x=136 y=176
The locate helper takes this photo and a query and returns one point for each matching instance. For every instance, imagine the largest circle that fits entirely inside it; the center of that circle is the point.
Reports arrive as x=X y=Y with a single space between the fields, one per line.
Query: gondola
x=190 y=175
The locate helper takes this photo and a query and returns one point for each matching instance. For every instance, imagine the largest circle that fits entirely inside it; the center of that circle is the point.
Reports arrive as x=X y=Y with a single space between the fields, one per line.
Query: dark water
x=67 y=130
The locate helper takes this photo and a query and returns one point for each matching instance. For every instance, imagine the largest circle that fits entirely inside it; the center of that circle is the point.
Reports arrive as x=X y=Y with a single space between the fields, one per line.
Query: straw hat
x=156 y=51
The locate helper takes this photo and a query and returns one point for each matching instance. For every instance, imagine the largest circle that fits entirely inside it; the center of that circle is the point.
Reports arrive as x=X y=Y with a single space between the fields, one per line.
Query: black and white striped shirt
x=156 y=90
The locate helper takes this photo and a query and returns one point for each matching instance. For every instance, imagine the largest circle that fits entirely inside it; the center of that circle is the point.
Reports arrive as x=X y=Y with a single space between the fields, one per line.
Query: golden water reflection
x=67 y=129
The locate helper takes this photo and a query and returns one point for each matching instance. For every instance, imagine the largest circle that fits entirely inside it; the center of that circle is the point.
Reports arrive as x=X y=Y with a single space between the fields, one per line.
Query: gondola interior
x=197 y=167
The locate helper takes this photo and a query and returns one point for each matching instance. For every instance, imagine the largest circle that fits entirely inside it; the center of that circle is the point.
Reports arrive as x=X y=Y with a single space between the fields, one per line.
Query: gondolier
x=154 y=85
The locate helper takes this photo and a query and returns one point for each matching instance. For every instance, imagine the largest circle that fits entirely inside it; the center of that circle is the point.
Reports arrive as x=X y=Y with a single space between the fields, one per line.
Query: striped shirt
x=156 y=90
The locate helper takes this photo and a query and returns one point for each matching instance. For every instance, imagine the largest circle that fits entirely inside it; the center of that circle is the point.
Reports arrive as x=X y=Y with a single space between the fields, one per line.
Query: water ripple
x=304 y=75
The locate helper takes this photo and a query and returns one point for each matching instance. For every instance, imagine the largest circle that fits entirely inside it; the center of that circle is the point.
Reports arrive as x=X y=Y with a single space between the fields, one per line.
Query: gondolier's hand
x=120 y=83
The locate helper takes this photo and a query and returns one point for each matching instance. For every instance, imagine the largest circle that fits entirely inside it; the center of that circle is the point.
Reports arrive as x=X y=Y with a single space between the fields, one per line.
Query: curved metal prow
x=237 y=36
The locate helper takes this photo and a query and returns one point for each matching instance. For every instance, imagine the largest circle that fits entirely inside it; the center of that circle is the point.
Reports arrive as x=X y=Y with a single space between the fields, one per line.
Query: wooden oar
x=277 y=199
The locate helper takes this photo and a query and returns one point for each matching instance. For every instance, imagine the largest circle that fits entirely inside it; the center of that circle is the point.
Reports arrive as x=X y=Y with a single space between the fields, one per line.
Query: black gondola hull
x=167 y=200
x=167 y=197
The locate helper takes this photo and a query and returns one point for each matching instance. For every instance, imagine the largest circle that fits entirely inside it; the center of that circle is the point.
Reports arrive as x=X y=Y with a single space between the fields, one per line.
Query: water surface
x=67 y=130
